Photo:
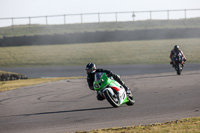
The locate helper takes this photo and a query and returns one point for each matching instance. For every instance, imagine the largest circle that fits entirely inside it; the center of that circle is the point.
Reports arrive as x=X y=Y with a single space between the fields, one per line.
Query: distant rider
x=91 y=70
x=175 y=51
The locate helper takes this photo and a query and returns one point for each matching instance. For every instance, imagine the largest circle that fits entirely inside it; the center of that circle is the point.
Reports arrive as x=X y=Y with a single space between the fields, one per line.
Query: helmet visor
x=88 y=70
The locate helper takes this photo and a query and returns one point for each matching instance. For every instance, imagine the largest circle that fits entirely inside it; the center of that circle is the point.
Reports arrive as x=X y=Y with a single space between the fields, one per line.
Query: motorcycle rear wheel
x=131 y=100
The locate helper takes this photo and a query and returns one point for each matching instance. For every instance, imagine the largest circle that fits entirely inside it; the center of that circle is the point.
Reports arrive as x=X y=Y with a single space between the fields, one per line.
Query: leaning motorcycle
x=178 y=63
x=111 y=90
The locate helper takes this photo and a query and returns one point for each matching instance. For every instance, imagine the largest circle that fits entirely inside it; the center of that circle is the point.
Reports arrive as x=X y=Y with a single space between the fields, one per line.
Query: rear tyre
x=112 y=100
x=131 y=100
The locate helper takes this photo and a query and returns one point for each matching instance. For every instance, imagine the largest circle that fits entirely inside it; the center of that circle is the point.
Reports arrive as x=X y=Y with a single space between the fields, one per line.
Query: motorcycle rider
x=175 y=51
x=91 y=70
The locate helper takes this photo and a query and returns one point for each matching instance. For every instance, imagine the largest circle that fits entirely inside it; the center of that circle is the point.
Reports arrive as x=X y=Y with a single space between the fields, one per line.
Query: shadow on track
x=67 y=111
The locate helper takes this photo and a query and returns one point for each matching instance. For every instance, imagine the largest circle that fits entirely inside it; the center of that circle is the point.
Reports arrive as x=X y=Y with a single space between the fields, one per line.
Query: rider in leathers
x=91 y=70
x=176 y=51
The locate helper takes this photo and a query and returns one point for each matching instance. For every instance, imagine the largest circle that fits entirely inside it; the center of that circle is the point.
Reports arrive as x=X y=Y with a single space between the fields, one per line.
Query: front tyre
x=112 y=100
x=179 y=68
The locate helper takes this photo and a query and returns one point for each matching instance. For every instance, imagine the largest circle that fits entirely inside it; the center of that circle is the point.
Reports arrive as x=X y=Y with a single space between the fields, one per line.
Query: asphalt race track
x=69 y=105
x=69 y=71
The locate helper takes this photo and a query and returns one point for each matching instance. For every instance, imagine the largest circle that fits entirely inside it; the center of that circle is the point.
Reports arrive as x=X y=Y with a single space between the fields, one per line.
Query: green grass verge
x=109 y=53
x=189 y=125
x=4 y=72
x=14 y=84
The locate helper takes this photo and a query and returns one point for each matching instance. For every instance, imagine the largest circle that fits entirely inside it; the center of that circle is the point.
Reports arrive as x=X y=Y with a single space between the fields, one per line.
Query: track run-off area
x=69 y=105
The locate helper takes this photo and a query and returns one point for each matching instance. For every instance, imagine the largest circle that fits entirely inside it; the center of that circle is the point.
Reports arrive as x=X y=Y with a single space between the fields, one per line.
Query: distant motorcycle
x=178 y=62
x=111 y=90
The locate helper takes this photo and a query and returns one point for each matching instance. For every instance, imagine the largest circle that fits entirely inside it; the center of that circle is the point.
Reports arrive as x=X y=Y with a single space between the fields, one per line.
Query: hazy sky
x=25 y=8
x=31 y=8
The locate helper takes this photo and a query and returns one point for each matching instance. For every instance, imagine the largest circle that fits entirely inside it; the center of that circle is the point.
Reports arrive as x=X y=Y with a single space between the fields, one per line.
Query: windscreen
x=180 y=54
x=98 y=76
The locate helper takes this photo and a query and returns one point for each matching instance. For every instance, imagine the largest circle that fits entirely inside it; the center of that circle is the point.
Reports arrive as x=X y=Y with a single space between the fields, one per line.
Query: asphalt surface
x=69 y=71
x=69 y=105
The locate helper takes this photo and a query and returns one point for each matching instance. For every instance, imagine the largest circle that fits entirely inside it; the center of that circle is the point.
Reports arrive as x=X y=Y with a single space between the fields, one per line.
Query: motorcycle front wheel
x=179 y=68
x=112 y=100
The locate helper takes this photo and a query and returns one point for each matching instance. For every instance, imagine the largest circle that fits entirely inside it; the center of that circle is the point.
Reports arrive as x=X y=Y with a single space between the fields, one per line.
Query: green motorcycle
x=111 y=90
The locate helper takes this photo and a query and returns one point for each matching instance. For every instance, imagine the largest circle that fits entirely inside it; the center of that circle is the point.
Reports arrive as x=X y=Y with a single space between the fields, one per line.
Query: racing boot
x=118 y=79
x=182 y=64
x=171 y=63
x=99 y=97
x=128 y=91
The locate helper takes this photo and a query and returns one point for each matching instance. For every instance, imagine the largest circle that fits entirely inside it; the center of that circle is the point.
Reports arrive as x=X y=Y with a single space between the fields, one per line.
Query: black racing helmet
x=90 y=68
x=176 y=47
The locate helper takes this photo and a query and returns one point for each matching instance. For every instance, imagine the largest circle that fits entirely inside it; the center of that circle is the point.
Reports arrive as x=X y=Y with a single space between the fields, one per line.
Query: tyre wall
x=6 y=77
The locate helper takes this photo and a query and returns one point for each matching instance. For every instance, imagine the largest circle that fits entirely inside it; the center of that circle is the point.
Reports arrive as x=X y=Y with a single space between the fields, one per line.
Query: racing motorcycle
x=178 y=63
x=111 y=90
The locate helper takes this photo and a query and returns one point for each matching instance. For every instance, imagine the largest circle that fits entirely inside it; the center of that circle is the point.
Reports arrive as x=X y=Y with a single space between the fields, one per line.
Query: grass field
x=129 y=52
